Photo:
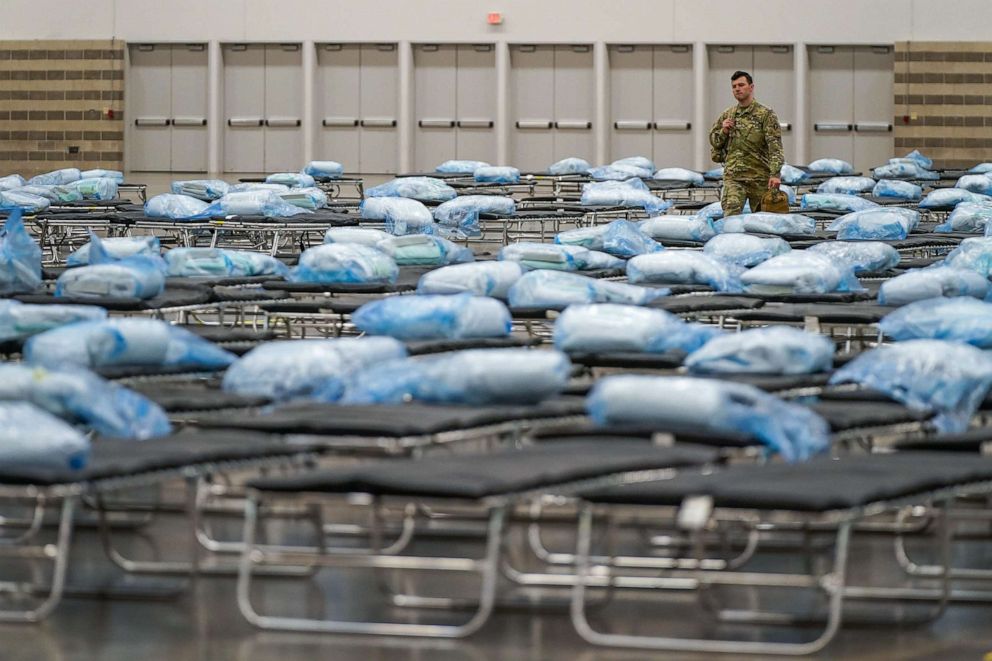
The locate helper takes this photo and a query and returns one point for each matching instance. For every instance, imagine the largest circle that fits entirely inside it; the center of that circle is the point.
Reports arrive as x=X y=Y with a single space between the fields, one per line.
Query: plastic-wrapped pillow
x=11 y=181
x=769 y=350
x=401 y=215
x=299 y=368
x=324 y=169
x=920 y=159
x=555 y=290
x=745 y=249
x=620 y=172
x=948 y=378
x=254 y=203
x=800 y=272
x=881 y=224
x=625 y=239
x=103 y=188
x=680 y=174
x=19 y=321
x=623 y=194
x=836 y=202
x=478 y=376
x=207 y=190
x=192 y=262
x=20 y=258
x=100 y=173
x=847 y=185
x=463 y=211
x=177 y=207
x=715 y=173
x=424 y=189
x=291 y=179
x=862 y=256
x=679 y=228
x=568 y=166
x=666 y=402
x=920 y=284
x=310 y=199
x=686 y=267
x=960 y=319
x=430 y=317
x=974 y=254
x=460 y=166
x=899 y=190
x=831 y=166
x=117 y=248
x=640 y=162
x=904 y=170
x=26 y=202
x=948 y=198
x=967 y=217
x=981 y=168
x=626 y=328
x=767 y=223
x=34 y=440
x=423 y=250
x=496 y=174
x=976 y=183
x=345 y=263
x=792 y=175
x=363 y=235
x=56 y=177
x=479 y=278
x=586 y=237
x=79 y=396
x=124 y=341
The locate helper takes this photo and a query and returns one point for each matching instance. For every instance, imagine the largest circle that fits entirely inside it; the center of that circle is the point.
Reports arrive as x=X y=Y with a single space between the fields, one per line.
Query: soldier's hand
x=774 y=182
x=728 y=125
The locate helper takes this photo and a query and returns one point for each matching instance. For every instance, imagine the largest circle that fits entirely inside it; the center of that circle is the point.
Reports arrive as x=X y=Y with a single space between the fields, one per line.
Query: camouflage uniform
x=751 y=154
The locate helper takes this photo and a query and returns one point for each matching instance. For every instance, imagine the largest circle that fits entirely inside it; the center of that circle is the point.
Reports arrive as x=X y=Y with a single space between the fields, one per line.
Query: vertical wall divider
x=700 y=110
x=801 y=122
x=601 y=120
x=309 y=83
x=502 y=102
x=215 y=120
x=404 y=123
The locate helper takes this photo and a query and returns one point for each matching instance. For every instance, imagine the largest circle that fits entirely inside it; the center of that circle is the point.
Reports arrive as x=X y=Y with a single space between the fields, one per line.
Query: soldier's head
x=742 y=85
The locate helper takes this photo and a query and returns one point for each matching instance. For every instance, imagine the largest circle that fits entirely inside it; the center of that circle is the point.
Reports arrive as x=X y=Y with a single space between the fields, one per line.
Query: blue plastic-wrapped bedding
x=794 y=431
x=618 y=172
x=947 y=378
x=846 y=185
x=207 y=190
x=899 y=190
x=20 y=258
x=679 y=228
x=981 y=168
x=54 y=194
x=904 y=170
x=492 y=278
x=532 y=255
x=792 y=175
x=429 y=317
x=626 y=328
x=345 y=263
x=715 y=173
x=641 y=162
x=680 y=174
x=884 y=224
x=176 y=207
x=365 y=236
x=745 y=249
x=836 y=202
x=920 y=284
x=79 y=396
x=19 y=321
x=570 y=165
x=629 y=193
x=830 y=166
x=974 y=254
x=103 y=188
x=32 y=439
x=56 y=177
x=555 y=290
x=124 y=341
x=713 y=211
x=192 y=262
x=976 y=183
x=11 y=181
x=254 y=203
x=311 y=198
x=967 y=217
x=463 y=211
x=424 y=189
x=959 y=319
x=117 y=248
x=496 y=174
x=291 y=179
x=625 y=239
x=479 y=377
x=767 y=223
x=401 y=215
x=917 y=157
x=460 y=166
x=685 y=267
x=257 y=185
x=585 y=237
x=300 y=368
x=800 y=272
x=328 y=169
x=862 y=256
x=139 y=276
x=100 y=173
x=423 y=250
x=943 y=198
x=769 y=350
x=26 y=202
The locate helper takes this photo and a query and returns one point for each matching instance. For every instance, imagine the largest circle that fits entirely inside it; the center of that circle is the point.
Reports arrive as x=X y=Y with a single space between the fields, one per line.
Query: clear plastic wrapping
x=920 y=284
x=800 y=272
x=767 y=223
x=917 y=157
x=629 y=193
x=967 y=217
x=568 y=166
x=496 y=174
x=686 y=267
x=345 y=263
x=324 y=169
x=19 y=321
x=900 y=190
x=625 y=239
x=981 y=168
x=862 y=256
x=463 y=211
x=401 y=215
x=665 y=402
x=836 y=202
x=362 y=235
x=607 y=327
x=117 y=248
x=423 y=250
x=100 y=173
x=428 y=317
x=847 y=185
x=960 y=319
x=555 y=290
x=831 y=166
x=976 y=183
x=881 y=224
x=460 y=166
x=135 y=276
x=26 y=202
x=479 y=278
x=424 y=189
x=177 y=207
x=680 y=174
x=679 y=228
x=12 y=181
x=792 y=175
x=559 y=257
x=745 y=249
x=103 y=188
x=618 y=172
x=640 y=162
x=904 y=169
x=974 y=254
x=207 y=190
x=311 y=198
x=56 y=177
x=32 y=439
x=769 y=350
x=191 y=262
x=946 y=198
x=291 y=179
x=20 y=258
x=254 y=203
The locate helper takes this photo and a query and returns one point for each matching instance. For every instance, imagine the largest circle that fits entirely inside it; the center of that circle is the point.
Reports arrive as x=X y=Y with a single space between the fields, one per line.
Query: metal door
x=774 y=86
x=337 y=96
x=873 y=106
x=189 y=92
x=150 y=88
x=574 y=97
x=674 y=86
x=476 y=102
x=831 y=102
x=631 y=101
x=283 y=108
x=435 y=105
x=532 y=102
x=724 y=60
x=379 y=106
x=244 y=108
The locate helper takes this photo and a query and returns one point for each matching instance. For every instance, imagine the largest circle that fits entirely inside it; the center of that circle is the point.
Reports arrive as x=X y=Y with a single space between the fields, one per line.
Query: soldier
x=747 y=139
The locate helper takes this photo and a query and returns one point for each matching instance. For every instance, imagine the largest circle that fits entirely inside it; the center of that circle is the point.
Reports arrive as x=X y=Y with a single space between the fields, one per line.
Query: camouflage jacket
x=753 y=150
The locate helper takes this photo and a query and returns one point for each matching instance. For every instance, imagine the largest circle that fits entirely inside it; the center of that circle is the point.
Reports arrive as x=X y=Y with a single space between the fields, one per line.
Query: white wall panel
x=674 y=90
x=476 y=102
x=189 y=108
x=873 y=107
x=244 y=108
x=283 y=108
x=379 y=108
x=532 y=103
x=435 y=104
x=338 y=99
x=632 y=98
x=574 y=98
x=831 y=102
x=150 y=107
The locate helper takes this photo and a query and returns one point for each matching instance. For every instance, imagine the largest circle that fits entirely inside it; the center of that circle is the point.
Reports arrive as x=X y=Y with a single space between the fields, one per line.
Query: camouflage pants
x=736 y=191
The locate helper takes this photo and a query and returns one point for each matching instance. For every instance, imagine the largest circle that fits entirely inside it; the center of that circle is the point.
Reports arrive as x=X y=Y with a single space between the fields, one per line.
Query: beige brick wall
x=61 y=105
x=943 y=94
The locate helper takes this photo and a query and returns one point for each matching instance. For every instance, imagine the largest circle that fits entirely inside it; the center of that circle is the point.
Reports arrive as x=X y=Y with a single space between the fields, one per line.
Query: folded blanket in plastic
x=399 y=214
x=324 y=169
x=456 y=166
x=558 y=257
x=291 y=179
x=948 y=198
x=885 y=224
x=800 y=272
x=176 y=207
x=423 y=250
x=606 y=327
x=117 y=247
x=830 y=166
x=434 y=317
x=19 y=321
x=847 y=185
x=491 y=278
x=191 y=262
x=967 y=217
x=899 y=190
x=920 y=284
x=767 y=223
x=140 y=275
x=424 y=189
x=32 y=439
x=836 y=202
x=974 y=254
x=679 y=228
x=207 y=190
x=20 y=258
x=496 y=174
x=745 y=249
x=770 y=350
x=569 y=165
x=862 y=256
x=959 y=319
x=266 y=203
x=684 y=267
x=555 y=290
x=628 y=193
x=345 y=263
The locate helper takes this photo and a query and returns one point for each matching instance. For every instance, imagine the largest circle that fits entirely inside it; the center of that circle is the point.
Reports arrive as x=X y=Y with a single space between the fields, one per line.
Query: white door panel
x=574 y=98
x=379 y=108
x=435 y=111
x=831 y=102
x=873 y=106
x=774 y=85
x=674 y=85
x=150 y=89
x=532 y=89
x=189 y=108
x=244 y=108
x=337 y=97
x=283 y=108
x=631 y=101
x=476 y=103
